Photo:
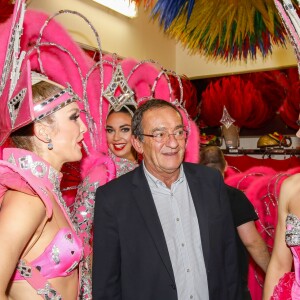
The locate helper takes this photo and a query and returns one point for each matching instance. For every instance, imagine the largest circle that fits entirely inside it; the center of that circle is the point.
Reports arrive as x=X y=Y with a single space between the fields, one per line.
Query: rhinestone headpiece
x=134 y=82
x=15 y=76
x=54 y=103
x=126 y=96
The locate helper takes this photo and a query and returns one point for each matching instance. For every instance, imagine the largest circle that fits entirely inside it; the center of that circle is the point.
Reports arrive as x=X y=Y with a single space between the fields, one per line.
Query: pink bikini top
x=24 y=171
x=60 y=257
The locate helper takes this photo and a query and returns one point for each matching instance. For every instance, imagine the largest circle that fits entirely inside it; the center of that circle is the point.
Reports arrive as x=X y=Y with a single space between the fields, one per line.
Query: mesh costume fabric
x=289 y=285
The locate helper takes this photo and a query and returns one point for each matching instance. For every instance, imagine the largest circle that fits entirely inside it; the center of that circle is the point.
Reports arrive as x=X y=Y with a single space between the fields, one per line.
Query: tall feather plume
x=167 y=11
x=222 y=29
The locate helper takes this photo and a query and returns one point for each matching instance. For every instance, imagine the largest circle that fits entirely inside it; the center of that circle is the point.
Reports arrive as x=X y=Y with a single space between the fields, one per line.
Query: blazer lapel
x=199 y=195
x=145 y=202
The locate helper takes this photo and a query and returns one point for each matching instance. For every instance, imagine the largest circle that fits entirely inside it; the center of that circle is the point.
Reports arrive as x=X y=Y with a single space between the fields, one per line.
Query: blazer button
x=173 y=286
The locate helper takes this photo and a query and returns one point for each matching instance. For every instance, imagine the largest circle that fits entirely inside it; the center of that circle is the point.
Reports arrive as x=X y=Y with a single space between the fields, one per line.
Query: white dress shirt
x=178 y=218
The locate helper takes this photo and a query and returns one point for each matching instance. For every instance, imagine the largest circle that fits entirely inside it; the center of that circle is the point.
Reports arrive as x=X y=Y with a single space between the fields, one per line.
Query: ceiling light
x=124 y=7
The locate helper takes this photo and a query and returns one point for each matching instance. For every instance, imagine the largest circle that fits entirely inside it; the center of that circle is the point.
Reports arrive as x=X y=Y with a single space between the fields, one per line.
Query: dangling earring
x=50 y=145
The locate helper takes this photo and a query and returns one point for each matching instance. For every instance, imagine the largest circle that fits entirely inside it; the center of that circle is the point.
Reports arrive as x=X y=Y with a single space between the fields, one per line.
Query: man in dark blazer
x=164 y=231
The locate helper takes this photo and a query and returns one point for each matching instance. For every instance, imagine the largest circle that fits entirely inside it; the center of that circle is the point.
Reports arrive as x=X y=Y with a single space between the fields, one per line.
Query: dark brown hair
x=137 y=127
x=123 y=110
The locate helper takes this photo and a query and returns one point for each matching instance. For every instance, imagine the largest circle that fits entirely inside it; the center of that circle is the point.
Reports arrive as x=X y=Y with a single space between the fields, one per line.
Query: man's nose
x=172 y=141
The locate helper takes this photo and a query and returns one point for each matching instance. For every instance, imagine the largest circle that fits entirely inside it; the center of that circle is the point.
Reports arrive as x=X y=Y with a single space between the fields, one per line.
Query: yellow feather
x=209 y=18
x=261 y=6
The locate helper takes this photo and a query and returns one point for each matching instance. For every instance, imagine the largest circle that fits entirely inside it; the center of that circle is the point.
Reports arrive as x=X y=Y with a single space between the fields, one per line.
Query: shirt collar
x=157 y=182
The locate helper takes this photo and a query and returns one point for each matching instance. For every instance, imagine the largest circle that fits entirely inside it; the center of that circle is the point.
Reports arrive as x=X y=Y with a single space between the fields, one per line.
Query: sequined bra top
x=59 y=258
x=24 y=171
x=292 y=234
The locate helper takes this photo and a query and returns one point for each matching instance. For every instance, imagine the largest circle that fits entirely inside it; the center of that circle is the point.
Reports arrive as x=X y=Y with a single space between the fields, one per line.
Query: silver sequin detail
x=74 y=265
x=53 y=176
x=24 y=270
x=123 y=165
x=8 y=61
x=41 y=169
x=73 y=97
x=25 y=162
x=14 y=105
x=44 y=191
x=55 y=254
x=13 y=59
x=292 y=236
x=83 y=216
x=12 y=160
x=38 y=169
x=86 y=279
x=49 y=293
x=83 y=211
x=126 y=97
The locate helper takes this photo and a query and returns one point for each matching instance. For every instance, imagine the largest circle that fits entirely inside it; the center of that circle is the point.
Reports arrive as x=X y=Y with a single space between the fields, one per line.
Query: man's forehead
x=160 y=119
x=162 y=112
x=167 y=128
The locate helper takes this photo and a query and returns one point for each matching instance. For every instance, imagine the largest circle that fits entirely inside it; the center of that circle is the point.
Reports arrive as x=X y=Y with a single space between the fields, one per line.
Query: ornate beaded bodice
x=292 y=234
x=123 y=165
x=292 y=238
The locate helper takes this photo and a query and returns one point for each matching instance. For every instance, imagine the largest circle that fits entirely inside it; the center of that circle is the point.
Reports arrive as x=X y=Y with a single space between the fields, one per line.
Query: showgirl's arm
x=281 y=259
x=20 y=216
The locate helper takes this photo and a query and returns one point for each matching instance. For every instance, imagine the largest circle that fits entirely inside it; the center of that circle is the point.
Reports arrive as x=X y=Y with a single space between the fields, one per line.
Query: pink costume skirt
x=287 y=288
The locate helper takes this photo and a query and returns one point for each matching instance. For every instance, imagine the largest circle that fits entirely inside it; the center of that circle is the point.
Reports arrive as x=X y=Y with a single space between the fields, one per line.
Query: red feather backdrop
x=252 y=99
x=6 y=10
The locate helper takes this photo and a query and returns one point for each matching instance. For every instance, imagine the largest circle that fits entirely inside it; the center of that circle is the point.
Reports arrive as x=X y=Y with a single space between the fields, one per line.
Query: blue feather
x=168 y=11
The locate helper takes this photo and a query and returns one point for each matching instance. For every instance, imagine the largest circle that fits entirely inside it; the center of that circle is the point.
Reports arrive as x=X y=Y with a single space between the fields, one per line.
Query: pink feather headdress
x=16 y=102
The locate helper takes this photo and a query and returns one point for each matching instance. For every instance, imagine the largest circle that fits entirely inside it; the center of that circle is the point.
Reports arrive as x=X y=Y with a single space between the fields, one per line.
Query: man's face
x=162 y=159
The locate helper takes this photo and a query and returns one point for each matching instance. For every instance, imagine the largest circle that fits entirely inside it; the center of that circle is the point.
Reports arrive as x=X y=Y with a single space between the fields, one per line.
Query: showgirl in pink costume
x=262 y=187
x=52 y=52
x=40 y=248
x=280 y=282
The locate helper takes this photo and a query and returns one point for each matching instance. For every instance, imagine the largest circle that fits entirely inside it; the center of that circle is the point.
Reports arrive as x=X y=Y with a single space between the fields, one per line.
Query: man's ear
x=41 y=132
x=137 y=144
